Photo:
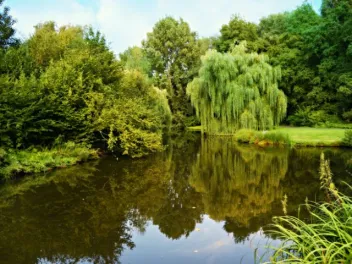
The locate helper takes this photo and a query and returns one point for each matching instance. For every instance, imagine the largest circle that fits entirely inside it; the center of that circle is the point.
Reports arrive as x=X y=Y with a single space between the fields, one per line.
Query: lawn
x=308 y=136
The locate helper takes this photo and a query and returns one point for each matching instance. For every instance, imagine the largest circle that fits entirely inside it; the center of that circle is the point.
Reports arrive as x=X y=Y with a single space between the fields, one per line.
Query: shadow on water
x=95 y=212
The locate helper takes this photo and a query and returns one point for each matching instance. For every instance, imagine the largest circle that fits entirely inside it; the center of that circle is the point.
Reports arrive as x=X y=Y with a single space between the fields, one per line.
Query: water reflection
x=91 y=213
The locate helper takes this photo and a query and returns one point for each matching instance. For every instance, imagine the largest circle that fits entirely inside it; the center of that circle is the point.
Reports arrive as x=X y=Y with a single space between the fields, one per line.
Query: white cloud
x=125 y=24
x=63 y=12
x=122 y=26
x=207 y=17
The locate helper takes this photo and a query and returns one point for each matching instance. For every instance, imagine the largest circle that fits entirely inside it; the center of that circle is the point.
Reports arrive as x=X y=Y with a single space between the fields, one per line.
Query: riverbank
x=304 y=136
x=19 y=162
x=314 y=137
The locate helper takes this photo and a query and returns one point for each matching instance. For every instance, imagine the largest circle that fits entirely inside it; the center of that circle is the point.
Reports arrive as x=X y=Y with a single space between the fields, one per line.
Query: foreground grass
x=326 y=237
x=305 y=136
x=14 y=162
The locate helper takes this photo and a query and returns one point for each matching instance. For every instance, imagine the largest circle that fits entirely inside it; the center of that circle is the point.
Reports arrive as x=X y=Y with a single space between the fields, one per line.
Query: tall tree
x=237 y=90
x=236 y=31
x=174 y=53
x=334 y=45
x=7 y=32
x=286 y=38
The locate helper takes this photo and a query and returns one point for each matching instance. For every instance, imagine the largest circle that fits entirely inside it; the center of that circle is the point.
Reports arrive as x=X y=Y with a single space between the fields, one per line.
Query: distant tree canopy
x=237 y=90
x=314 y=52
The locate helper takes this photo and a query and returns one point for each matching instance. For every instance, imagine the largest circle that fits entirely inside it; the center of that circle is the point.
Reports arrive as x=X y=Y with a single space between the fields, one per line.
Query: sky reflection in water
x=202 y=201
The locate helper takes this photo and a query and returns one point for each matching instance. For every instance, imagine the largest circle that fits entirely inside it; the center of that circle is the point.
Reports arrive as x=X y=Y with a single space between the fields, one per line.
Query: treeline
x=314 y=52
x=65 y=84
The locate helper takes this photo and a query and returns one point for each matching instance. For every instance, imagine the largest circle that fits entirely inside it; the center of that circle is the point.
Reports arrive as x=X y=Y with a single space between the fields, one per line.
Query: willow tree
x=237 y=90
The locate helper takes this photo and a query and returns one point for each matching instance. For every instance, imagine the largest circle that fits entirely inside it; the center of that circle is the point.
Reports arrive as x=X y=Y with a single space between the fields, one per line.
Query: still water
x=201 y=201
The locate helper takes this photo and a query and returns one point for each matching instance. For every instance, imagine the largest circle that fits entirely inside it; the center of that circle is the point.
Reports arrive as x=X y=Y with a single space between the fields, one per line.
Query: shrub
x=300 y=117
x=347 y=139
x=35 y=161
x=307 y=117
x=245 y=135
x=275 y=137
x=262 y=138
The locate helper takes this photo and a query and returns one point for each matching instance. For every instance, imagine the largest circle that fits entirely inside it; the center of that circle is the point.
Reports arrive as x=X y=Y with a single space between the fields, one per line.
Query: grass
x=262 y=138
x=308 y=136
x=15 y=162
x=326 y=237
x=195 y=128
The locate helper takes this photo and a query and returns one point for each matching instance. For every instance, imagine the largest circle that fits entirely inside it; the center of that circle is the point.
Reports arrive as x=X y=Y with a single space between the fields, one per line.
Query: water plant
x=14 y=162
x=324 y=238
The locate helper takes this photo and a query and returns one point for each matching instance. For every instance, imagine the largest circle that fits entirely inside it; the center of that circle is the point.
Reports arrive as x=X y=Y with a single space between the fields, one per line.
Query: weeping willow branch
x=237 y=90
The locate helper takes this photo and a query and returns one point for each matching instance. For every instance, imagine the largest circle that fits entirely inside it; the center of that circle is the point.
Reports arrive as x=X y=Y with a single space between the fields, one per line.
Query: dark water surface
x=202 y=201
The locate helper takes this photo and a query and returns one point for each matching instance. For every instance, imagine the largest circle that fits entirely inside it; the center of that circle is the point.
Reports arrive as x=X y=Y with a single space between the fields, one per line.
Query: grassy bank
x=260 y=138
x=308 y=136
x=301 y=136
x=17 y=162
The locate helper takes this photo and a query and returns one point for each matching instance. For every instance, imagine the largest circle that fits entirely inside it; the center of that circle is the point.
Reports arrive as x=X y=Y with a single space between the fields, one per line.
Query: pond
x=201 y=201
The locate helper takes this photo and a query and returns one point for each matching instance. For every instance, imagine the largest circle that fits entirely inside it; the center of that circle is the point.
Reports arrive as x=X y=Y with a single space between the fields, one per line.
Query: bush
x=29 y=161
x=307 y=117
x=347 y=139
x=300 y=118
x=329 y=124
x=262 y=138
x=274 y=137
x=245 y=136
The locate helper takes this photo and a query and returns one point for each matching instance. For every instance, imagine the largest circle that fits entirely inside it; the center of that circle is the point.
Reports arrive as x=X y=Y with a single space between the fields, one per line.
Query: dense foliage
x=7 y=32
x=65 y=84
x=174 y=54
x=314 y=52
x=237 y=90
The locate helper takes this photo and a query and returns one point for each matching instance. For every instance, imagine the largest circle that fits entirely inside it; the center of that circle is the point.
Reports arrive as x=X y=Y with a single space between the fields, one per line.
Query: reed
x=324 y=238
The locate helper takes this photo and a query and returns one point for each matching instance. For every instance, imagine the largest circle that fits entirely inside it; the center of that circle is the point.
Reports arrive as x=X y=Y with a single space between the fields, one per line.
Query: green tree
x=174 y=53
x=68 y=84
x=137 y=117
x=333 y=44
x=7 y=32
x=237 y=90
x=134 y=58
x=236 y=31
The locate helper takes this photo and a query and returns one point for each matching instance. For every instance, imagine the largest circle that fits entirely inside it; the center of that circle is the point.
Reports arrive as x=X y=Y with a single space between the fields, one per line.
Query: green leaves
x=137 y=117
x=7 y=32
x=236 y=31
x=237 y=90
x=174 y=53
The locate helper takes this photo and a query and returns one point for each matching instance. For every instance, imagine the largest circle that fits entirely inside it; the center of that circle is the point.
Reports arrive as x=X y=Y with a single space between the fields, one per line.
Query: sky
x=125 y=23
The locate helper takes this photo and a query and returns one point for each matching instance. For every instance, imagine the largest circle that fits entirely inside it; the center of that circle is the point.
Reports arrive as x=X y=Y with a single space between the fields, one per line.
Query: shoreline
x=292 y=136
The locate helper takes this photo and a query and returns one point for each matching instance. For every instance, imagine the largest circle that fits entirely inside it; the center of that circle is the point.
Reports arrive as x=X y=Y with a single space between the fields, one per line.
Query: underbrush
x=262 y=138
x=347 y=139
x=14 y=162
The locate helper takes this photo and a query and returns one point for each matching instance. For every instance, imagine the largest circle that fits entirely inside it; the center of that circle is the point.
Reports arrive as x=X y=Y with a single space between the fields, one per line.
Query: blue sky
x=126 y=22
